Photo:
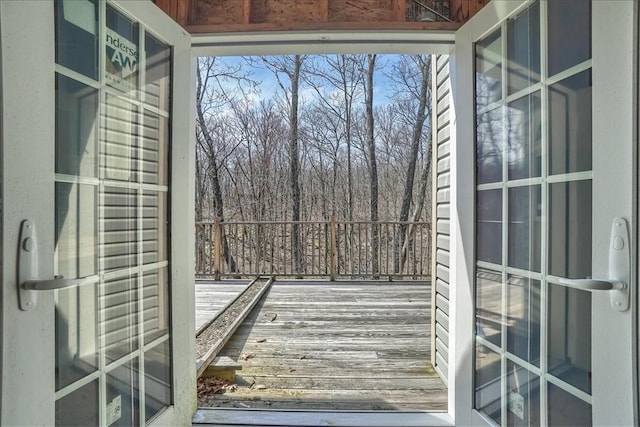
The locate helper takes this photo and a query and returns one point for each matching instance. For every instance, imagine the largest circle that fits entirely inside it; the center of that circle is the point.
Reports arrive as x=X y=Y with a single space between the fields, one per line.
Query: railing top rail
x=313 y=222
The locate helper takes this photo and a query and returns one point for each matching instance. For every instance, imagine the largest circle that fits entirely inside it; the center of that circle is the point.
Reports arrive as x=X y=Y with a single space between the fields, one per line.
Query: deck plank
x=213 y=296
x=335 y=346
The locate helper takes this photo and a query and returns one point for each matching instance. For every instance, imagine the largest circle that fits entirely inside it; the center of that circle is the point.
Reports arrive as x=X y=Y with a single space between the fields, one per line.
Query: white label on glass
x=516 y=404
x=114 y=410
x=121 y=60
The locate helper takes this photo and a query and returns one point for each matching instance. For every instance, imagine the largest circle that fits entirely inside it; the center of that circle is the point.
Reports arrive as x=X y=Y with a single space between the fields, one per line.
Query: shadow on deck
x=330 y=346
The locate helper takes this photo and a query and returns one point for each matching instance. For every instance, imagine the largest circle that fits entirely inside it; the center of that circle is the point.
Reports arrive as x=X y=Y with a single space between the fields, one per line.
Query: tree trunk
x=425 y=184
x=208 y=144
x=373 y=165
x=418 y=129
x=295 y=166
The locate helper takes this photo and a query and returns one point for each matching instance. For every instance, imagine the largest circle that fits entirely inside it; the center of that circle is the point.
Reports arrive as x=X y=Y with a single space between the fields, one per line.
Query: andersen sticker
x=121 y=61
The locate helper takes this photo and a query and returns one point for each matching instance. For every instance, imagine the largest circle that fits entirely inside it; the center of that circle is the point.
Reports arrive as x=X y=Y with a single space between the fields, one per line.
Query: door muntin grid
x=533 y=205
x=113 y=364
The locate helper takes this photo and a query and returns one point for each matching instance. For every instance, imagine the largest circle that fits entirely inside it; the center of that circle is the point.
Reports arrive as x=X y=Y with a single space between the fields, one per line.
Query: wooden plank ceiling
x=216 y=16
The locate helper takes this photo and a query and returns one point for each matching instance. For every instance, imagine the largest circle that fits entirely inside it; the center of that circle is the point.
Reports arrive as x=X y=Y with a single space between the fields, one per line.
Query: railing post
x=217 y=248
x=334 y=242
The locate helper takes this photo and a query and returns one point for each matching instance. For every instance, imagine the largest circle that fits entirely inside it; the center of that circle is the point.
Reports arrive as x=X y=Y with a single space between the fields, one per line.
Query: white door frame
x=28 y=152
x=614 y=390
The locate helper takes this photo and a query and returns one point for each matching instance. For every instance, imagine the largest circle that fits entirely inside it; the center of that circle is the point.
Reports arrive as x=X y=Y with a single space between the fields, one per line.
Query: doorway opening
x=319 y=167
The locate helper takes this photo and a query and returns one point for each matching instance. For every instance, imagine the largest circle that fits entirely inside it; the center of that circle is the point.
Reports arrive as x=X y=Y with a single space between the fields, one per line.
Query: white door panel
x=27 y=150
x=89 y=125
x=539 y=179
x=614 y=177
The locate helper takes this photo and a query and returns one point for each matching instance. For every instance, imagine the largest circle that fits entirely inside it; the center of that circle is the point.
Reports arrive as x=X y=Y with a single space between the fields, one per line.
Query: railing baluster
x=386 y=238
x=319 y=247
x=310 y=254
x=210 y=238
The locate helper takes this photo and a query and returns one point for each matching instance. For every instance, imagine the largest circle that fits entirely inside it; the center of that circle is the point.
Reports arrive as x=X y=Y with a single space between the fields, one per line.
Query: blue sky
x=269 y=86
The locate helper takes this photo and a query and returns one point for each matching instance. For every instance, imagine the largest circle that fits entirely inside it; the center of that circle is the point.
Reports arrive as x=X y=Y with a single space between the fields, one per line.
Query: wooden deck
x=212 y=296
x=333 y=346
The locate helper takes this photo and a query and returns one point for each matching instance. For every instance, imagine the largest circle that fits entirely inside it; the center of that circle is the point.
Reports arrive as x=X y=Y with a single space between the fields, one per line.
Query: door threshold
x=312 y=418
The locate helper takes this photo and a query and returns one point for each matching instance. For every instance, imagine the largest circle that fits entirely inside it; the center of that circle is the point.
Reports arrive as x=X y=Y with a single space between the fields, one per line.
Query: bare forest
x=301 y=139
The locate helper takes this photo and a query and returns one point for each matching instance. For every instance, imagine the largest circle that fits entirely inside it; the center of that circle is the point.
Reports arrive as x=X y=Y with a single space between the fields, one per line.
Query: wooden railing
x=330 y=249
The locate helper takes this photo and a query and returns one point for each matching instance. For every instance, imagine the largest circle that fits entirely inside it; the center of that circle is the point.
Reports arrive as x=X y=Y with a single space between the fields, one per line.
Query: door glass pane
x=525 y=221
x=489 y=69
x=121 y=127
x=123 y=391
x=569 y=339
x=121 y=41
x=570 y=229
x=120 y=317
x=156 y=304
x=76 y=128
x=490 y=146
x=525 y=137
x=80 y=407
x=77 y=36
x=157 y=379
x=76 y=248
x=76 y=334
x=154 y=231
x=523 y=49
x=523 y=396
x=119 y=217
x=570 y=124
x=489 y=305
x=569 y=29
x=489 y=226
x=488 y=388
x=523 y=318
x=154 y=150
x=158 y=73
x=566 y=409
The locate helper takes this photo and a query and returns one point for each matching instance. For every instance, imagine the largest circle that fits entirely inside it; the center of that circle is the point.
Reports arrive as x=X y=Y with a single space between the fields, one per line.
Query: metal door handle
x=28 y=281
x=594 y=285
x=619 y=269
x=59 y=282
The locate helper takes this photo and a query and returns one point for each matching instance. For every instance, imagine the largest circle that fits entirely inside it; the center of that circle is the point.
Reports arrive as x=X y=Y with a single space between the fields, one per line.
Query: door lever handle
x=619 y=269
x=594 y=285
x=58 y=282
x=28 y=280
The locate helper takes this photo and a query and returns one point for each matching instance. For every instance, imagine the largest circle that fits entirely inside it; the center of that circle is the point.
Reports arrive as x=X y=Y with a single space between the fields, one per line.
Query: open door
x=96 y=133
x=543 y=191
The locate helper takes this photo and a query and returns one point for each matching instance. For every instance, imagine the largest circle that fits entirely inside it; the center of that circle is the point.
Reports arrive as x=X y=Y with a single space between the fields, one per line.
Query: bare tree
x=297 y=158
x=373 y=164
x=291 y=67
x=412 y=76
x=209 y=94
x=342 y=73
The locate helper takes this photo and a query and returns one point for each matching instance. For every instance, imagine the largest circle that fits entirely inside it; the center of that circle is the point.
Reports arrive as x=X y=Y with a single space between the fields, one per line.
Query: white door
x=544 y=193
x=91 y=113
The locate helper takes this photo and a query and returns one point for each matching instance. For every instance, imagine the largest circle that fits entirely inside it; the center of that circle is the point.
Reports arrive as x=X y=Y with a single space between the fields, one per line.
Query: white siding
x=441 y=159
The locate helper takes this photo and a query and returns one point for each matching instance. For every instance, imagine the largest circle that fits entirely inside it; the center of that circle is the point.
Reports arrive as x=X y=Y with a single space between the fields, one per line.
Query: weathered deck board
x=212 y=296
x=335 y=346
